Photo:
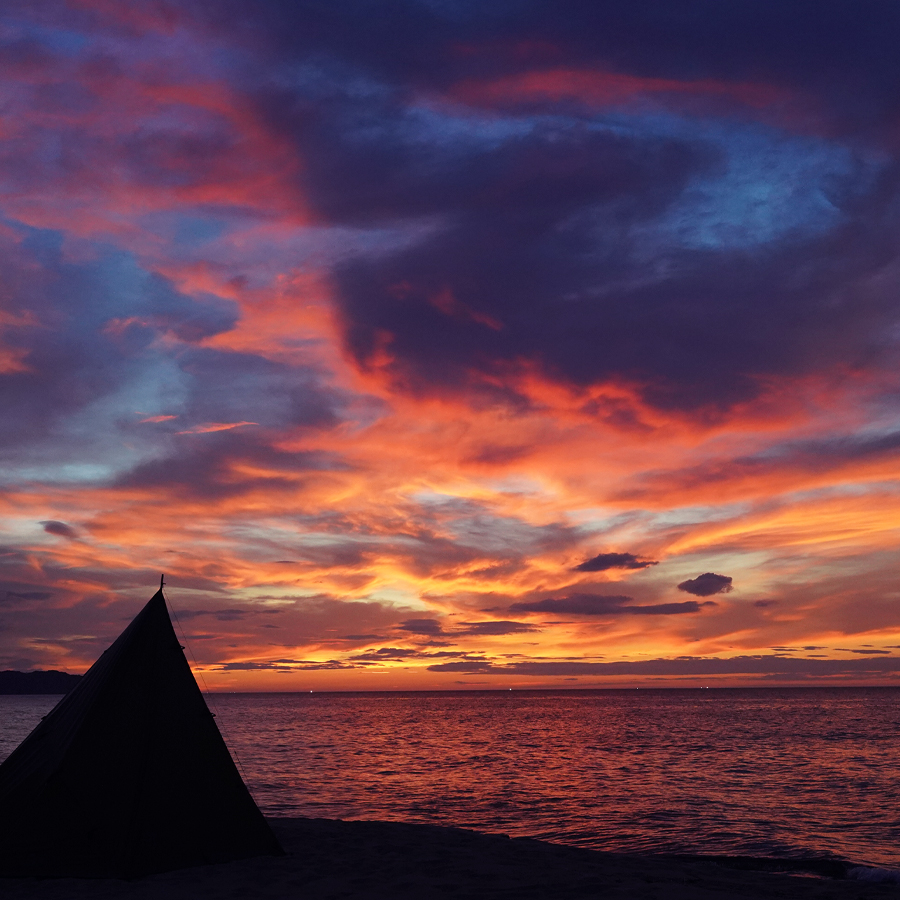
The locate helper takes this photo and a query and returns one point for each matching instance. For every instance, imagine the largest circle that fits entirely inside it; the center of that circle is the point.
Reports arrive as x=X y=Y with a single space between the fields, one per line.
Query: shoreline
x=329 y=859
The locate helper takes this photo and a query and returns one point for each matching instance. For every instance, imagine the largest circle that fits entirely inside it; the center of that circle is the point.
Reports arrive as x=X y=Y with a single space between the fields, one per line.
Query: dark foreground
x=333 y=859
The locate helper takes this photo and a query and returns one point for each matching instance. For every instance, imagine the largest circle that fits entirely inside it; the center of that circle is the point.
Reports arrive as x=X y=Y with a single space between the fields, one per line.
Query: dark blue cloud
x=841 y=52
x=697 y=254
x=562 y=287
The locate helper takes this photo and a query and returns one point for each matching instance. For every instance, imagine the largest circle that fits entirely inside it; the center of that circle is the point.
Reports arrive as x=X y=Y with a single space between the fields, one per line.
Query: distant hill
x=51 y=682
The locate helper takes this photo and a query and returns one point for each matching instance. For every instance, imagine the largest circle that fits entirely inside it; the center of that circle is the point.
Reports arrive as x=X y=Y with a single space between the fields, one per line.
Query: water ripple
x=780 y=772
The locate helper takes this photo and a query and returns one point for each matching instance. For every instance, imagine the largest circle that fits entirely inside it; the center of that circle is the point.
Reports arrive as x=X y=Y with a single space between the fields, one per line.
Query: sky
x=434 y=344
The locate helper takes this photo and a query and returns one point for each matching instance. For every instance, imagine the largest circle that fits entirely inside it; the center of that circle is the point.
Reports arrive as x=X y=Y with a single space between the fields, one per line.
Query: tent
x=128 y=774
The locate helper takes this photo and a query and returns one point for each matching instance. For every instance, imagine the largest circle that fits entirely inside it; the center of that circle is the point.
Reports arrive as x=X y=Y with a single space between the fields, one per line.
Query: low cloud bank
x=687 y=665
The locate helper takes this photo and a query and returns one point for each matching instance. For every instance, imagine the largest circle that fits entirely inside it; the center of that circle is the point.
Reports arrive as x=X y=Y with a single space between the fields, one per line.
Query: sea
x=780 y=772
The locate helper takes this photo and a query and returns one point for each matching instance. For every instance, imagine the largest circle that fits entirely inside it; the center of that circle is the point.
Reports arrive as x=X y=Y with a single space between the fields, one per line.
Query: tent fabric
x=128 y=774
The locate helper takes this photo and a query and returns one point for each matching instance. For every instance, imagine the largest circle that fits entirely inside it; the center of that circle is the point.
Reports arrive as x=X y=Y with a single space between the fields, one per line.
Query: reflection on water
x=758 y=772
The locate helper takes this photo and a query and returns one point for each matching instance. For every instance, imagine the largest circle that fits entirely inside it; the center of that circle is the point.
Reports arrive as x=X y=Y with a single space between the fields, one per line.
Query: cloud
x=59 y=528
x=707 y=584
x=283 y=665
x=767 y=42
x=603 y=605
x=603 y=561
x=224 y=464
x=469 y=666
x=432 y=627
x=786 y=666
x=208 y=427
x=789 y=464
x=561 y=242
x=517 y=244
x=567 y=182
x=85 y=335
x=495 y=628
x=385 y=654
x=26 y=595
x=421 y=626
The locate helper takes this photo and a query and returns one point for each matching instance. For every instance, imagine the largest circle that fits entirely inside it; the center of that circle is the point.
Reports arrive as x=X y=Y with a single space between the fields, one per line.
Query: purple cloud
x=537 y=247
x=707 y=584
x=421 y=626
x=60 y=529
x=606 y=605
x=431 y=627
x=495 y=628
x=603 y=561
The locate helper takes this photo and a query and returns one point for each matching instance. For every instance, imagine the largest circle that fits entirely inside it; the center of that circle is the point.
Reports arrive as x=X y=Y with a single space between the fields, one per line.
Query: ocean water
x=760 y=772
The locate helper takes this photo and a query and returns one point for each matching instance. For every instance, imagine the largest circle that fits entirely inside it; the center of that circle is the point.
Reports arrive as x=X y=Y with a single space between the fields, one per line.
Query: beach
x=329 y=859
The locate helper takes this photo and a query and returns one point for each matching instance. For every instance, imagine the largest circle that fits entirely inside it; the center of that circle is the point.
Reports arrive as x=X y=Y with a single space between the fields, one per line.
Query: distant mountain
x=51 y=682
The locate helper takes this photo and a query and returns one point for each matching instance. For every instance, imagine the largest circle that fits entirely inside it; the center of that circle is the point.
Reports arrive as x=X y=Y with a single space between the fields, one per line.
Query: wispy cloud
x=215 y=426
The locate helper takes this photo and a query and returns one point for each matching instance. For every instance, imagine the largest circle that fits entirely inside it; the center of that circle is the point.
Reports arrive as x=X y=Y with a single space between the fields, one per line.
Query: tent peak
x=132 y=743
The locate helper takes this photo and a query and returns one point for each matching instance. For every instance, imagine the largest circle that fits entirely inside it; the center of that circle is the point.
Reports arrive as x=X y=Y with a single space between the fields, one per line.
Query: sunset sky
x=448 y=344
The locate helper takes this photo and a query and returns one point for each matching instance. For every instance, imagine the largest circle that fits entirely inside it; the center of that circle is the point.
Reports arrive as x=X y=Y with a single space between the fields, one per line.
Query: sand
x=334 y=859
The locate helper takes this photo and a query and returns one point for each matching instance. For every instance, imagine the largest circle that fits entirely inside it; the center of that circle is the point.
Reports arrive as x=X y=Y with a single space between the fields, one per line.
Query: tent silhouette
x=128 y=774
